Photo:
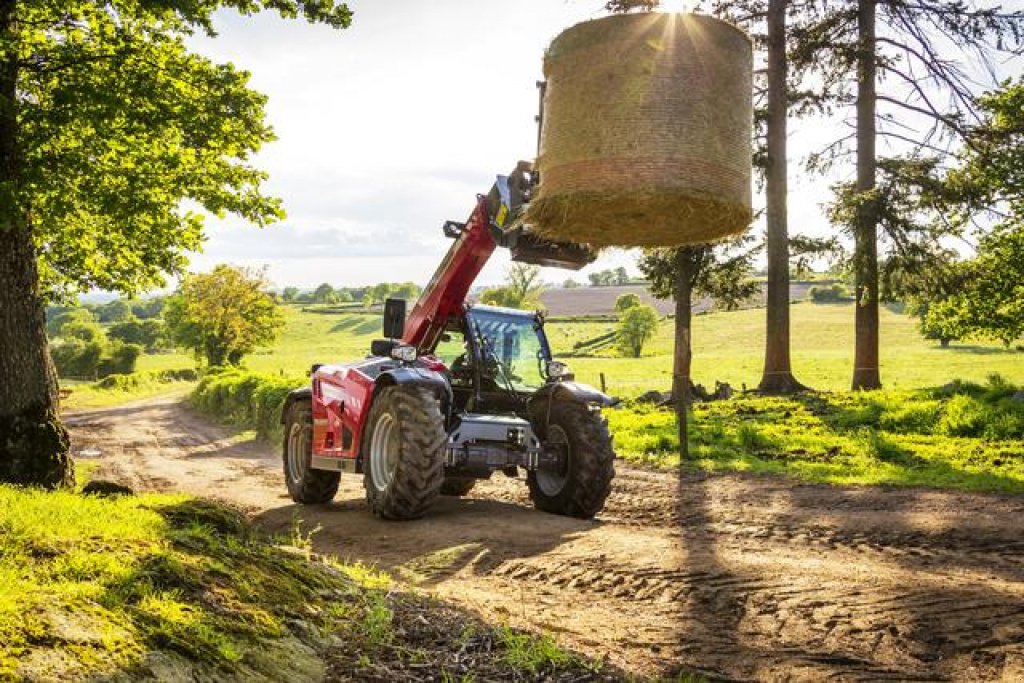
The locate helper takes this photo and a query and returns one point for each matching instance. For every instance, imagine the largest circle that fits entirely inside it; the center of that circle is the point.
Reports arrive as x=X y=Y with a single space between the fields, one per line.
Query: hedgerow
x=246 y=399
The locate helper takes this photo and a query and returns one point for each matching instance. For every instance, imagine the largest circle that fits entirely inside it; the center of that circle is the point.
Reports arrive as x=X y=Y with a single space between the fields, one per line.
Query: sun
x=675 y=5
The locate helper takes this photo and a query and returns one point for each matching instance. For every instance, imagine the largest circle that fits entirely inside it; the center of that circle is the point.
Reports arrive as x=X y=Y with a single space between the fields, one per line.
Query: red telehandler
x=458 y=391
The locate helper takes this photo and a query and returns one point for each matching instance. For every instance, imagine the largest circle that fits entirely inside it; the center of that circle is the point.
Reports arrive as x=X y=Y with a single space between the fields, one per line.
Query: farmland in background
x=728 y=346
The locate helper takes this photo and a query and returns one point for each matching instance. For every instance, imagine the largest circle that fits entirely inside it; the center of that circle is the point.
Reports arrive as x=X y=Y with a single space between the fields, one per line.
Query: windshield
x=517 y=342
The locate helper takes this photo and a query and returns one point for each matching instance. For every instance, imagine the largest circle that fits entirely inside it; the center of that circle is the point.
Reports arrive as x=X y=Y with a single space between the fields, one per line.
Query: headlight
x=556 y=369
x=404 y=353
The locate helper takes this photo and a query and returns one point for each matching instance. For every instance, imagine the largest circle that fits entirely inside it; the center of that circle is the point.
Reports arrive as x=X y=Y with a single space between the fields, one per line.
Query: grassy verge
x=177 y=588
x=117 y=389
x=963 y=435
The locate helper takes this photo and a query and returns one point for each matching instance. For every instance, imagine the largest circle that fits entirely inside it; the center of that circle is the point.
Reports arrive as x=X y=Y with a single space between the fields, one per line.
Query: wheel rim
x=297 y=448
x=551 y=482
x=383 y=452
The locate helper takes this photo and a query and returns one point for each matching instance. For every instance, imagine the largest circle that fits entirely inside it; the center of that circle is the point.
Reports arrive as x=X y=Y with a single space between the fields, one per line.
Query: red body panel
x=445 y=296
x=341 y=401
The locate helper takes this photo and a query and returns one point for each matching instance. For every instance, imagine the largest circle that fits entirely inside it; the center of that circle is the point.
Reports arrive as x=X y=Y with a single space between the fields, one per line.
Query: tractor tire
x=457 y=486
x=581 y=488
x=403 y=452
x=305 y=484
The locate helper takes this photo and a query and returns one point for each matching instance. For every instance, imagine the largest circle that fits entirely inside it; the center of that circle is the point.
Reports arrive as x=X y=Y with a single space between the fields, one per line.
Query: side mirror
x=394 y=318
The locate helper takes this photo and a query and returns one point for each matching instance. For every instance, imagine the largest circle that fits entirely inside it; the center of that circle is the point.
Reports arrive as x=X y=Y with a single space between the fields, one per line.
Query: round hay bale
x=646 y=135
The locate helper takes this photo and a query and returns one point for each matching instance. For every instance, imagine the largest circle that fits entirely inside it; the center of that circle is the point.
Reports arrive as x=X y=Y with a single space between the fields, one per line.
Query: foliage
x=721 y=272
x=522 y=288
x=148 y=309
x=378 y=293
x=223 y=315
x=961 y=435
x=56 y=319
x=250 y=400
x=289 y=294
x=83 y=351
x=990 y=301
x=109 y=93
x=827 y=294
x=146 y=333
x=83 y=331
x=626 y=301
x=637 y=324
x=608 y=277
x=570 y=284
x=77 y=358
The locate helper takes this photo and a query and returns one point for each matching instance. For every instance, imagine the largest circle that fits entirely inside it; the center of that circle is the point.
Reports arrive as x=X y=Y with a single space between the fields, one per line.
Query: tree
x=624 y=302
x=921 y=81
x=324 y=294
x=146 y=333
x=107 y=92
x=289 y=294
x=522 y=288
x=637 y=324
x=621 y=276
x=58 y=321
x=148 y=309
x=570 y=284
x=223 y=315
x=721 y=272
x=115 y=311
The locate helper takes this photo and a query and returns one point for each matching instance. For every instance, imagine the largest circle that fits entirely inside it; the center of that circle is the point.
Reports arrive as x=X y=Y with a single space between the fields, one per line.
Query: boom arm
x=495 y=221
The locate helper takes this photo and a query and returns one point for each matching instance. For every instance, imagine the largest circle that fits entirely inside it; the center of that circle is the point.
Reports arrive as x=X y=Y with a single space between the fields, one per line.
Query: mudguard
x=572 y=391
x=433 y=381
x=294 y=396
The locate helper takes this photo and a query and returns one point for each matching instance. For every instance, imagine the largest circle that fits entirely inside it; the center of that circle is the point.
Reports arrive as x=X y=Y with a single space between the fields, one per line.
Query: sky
x=387 y=129
x=392 y=126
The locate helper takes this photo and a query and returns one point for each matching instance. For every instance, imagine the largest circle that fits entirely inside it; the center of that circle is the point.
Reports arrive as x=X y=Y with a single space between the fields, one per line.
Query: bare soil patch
x=740 y=577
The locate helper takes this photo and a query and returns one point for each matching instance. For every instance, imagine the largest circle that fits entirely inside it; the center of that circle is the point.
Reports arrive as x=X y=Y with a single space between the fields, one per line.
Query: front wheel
x=403 y=452
x=579 y=487
x=305 y=484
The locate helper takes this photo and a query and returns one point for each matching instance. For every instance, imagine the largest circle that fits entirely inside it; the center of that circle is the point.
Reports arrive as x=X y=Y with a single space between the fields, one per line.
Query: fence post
x=604 y=387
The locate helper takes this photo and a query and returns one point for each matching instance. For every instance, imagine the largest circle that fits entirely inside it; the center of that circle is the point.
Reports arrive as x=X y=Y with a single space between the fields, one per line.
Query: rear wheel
x=457 y=486
x=305 y=484
x=403 y=452
x=580 y=486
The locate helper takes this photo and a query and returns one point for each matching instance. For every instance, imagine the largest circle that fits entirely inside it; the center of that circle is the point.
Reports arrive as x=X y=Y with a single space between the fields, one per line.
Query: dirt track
x=740 y=577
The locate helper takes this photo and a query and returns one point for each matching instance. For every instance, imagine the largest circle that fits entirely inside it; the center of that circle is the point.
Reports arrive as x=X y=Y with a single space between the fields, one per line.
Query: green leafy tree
x=721 y=272
x=146 y=333
x=84 y=331
x=624 y=302
x=223 y=315
x=570 y=284
x=637 y=325
x=148 y=309
x=55 y=324
x=115 y=311
x=324 y=294
x=522 y=288
x=108 y=123
x=289 y=294
x=990 y=301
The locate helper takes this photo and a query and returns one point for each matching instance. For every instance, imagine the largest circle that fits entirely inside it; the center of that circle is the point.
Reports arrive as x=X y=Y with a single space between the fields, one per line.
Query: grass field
x=728 y=346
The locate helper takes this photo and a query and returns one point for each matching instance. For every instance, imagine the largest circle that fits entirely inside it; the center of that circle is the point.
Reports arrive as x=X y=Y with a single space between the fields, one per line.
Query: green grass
x=728 y=346
x=92 y=586
x=965 y=436
x=118 y=389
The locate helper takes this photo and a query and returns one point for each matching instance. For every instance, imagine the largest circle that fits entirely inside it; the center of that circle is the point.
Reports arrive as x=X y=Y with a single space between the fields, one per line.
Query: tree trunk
x=865 y=358
x=684 y=267
x=777 y=377
x=34 y=446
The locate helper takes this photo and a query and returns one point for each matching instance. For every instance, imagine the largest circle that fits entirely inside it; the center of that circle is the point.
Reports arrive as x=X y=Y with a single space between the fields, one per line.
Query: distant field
x=728 y=346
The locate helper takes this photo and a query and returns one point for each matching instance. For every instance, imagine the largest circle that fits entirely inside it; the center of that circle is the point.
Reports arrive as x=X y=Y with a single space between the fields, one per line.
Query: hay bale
x=646 y=132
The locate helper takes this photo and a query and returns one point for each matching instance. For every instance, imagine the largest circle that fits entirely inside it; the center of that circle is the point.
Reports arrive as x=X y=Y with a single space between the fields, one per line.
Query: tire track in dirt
x=741 y=577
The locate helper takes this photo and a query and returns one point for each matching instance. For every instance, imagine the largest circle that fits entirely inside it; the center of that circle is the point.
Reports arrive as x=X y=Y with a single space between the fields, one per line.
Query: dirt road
x=741 y=577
